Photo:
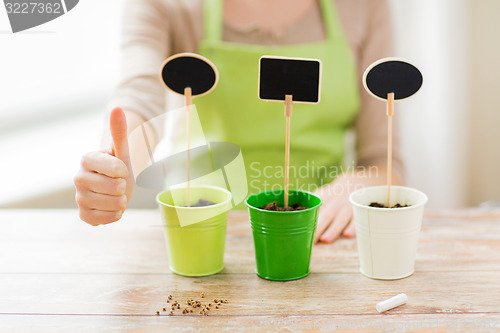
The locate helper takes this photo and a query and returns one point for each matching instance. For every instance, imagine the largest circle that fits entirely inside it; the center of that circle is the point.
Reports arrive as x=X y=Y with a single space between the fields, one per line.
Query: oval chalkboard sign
x=189 y=70
x=392 y=75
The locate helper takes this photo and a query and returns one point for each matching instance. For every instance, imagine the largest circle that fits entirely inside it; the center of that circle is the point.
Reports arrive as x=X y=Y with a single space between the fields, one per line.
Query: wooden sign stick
x=296 y=79
x=190 y=75
x=189 y=102
x=390 y=111
x=288 y=114
x=391 y=79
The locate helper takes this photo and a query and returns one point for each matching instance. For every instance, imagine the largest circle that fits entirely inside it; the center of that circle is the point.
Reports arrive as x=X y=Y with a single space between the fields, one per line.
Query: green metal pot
x=283 y=240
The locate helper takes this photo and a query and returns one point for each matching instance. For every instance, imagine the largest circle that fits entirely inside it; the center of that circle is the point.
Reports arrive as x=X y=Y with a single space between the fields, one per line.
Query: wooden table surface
x=59 y=274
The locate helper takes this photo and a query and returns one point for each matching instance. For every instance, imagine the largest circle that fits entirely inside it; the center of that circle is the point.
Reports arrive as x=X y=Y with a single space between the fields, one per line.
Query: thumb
x=118 y=127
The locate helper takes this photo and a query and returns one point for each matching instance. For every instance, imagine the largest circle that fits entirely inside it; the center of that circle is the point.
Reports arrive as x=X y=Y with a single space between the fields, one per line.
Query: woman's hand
x=336 y=212
x=105 y=181
x=335 y=215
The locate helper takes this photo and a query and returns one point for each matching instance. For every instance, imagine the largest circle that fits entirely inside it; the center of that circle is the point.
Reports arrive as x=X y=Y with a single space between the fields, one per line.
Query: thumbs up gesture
x=105 y=181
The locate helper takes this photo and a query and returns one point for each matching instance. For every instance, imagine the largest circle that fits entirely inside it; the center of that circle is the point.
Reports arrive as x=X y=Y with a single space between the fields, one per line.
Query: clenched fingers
x=100 y=183
x=105 y=164
x=98 y=217
x=109 y=203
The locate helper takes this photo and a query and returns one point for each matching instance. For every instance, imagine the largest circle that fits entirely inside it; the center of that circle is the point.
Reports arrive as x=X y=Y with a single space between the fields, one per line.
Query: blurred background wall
x=483 y=178
x=55 y=81
x=451 y=128
x=434 y=36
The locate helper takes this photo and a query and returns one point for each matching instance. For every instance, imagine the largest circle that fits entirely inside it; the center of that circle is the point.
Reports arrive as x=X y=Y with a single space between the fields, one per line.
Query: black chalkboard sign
x=392 y=75
x=189 y=70
x=280 y=76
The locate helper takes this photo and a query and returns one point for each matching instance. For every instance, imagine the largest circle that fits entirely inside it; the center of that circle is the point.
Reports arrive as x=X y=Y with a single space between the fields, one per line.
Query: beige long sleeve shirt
x=152 y=30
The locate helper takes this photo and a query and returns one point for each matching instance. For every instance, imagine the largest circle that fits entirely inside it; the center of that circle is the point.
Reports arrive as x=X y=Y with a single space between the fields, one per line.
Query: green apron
x=232 y=112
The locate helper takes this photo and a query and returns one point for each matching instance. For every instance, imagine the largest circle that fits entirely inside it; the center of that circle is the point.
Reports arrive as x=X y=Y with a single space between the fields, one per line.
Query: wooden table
x=59 y=274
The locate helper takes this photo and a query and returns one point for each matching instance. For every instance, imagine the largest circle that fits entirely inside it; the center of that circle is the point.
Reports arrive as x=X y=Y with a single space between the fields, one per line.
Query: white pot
x=387 y=237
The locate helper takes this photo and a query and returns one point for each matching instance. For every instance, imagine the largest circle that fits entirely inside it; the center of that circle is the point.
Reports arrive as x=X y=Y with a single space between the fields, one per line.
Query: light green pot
x=195 y=236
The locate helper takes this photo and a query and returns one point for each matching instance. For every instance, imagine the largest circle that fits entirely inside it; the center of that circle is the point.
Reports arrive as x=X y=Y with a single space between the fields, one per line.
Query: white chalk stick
x=391 y=303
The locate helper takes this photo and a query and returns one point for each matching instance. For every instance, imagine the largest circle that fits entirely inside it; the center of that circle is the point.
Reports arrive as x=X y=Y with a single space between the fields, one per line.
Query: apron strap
x=212 y=20
x=331 y=20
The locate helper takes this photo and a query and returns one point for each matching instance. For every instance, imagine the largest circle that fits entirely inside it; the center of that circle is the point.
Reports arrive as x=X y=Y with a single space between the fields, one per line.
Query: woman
x=346 y=35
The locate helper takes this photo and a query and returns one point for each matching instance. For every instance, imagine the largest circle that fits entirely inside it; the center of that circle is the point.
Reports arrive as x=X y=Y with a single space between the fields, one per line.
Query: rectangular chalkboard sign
x=280 y=76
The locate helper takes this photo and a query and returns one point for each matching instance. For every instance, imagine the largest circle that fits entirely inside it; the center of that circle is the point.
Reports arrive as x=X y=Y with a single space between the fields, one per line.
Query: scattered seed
x=191 y=305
